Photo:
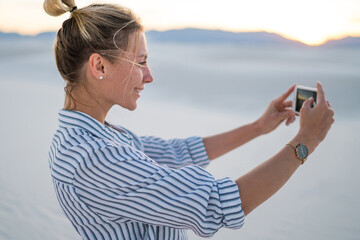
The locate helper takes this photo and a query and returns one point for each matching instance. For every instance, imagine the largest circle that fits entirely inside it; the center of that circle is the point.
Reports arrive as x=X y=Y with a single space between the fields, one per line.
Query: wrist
x=258 y=127
x=305 y=139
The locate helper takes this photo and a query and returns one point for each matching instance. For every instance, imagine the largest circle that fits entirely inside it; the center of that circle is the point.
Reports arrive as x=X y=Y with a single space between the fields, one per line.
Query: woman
x=113 y=184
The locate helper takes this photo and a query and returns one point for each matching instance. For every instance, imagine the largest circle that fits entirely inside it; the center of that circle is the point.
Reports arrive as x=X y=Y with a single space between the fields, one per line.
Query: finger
x=287 y=123
x=286 y=114
x=287 y=104
x=290 y=120
x=285 y=95
x=320 y=92
x=308 y=103
x=293 y=120
x=329 y=125
x=328 y=103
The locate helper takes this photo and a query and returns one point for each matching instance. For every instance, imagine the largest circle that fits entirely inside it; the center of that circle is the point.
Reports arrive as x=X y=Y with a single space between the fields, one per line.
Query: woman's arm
x=222 y=143
x=263 y=181
x=277 y=111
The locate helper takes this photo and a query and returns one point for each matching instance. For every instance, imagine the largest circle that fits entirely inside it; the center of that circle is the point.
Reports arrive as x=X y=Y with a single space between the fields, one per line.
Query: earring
x=101 y=77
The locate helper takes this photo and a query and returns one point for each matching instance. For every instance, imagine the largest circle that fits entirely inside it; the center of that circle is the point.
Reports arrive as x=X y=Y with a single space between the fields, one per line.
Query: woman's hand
x=262 y=182
x=315 y=122
x=277 y=111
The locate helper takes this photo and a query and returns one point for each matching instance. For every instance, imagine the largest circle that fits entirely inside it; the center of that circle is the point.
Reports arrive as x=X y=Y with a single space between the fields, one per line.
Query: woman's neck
x=82 y=101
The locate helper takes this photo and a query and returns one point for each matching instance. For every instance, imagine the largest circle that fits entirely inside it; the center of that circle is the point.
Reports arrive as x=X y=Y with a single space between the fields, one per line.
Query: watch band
x=302 y=160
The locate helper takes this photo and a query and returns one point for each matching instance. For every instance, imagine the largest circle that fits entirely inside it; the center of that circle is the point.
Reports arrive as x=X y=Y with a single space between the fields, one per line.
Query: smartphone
x=301 y=94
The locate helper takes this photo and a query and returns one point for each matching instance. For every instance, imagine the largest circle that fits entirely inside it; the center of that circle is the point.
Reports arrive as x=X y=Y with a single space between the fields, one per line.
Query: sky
x=309 y=21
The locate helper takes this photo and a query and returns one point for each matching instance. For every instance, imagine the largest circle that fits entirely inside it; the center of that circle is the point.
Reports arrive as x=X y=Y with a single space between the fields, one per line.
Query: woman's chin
x=131 y=108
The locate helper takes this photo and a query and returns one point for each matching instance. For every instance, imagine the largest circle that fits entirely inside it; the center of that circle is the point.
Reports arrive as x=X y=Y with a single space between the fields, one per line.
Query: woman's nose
x=148 y=78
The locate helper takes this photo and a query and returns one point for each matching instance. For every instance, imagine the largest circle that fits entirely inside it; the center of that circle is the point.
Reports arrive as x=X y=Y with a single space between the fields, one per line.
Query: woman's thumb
x=308 y=103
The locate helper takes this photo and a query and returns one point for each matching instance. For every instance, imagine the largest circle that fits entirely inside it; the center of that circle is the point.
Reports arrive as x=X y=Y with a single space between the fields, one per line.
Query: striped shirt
x=112 y=184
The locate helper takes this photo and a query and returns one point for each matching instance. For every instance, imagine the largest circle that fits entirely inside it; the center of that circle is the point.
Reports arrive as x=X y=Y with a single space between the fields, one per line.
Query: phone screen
x=302 y=95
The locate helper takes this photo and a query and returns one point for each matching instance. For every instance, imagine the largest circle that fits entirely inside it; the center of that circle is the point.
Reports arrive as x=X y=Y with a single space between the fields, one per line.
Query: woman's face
x=128 y=75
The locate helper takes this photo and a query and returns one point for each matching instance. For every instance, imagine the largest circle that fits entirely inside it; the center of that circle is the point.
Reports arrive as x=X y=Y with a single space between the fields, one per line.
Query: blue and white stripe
x=112 y=184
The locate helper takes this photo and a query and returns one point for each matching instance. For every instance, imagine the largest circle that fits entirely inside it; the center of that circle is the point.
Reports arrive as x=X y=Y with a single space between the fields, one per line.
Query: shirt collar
x=76 y=119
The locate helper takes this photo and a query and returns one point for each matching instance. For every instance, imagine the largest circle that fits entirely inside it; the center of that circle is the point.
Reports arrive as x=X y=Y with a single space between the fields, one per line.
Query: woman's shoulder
x=133 y=138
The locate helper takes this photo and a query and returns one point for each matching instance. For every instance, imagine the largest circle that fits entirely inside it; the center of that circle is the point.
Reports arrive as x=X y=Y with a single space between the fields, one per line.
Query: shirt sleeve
x=121 y=184
x=176 y=153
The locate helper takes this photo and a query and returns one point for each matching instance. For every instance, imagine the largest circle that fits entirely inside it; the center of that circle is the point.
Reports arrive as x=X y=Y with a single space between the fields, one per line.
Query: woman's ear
x=97 y=66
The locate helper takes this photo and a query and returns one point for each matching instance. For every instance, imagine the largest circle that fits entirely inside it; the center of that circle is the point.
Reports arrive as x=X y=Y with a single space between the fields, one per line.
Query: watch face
x=302 y=151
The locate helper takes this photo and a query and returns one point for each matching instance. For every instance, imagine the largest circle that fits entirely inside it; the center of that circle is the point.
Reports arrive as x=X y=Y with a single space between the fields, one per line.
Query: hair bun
x=58 y=7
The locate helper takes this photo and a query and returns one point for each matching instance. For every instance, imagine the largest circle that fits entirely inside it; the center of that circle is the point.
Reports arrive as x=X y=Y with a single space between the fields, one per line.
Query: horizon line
x=209 y=29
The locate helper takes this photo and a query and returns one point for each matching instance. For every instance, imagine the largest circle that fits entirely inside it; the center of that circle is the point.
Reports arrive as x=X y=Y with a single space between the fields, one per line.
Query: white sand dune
x=200 y=90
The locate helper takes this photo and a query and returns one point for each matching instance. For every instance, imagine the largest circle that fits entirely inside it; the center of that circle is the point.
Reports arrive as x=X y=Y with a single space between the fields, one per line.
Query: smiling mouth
x=138 y=90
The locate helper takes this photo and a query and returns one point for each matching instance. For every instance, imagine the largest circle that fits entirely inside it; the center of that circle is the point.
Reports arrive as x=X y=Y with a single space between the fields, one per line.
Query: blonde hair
x=97 y=28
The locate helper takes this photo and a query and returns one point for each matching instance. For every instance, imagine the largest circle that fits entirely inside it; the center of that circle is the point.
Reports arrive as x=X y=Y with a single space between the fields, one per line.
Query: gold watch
x=301 y=152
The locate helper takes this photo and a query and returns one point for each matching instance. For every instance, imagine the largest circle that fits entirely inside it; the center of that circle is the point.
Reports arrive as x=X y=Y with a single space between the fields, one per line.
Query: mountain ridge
x=196 y=35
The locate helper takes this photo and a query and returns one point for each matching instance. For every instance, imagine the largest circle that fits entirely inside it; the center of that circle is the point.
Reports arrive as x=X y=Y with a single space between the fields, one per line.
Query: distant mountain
x=350 y=42
x=44 y=35
x=193 y=35
x=9 y=35
x=48 y=35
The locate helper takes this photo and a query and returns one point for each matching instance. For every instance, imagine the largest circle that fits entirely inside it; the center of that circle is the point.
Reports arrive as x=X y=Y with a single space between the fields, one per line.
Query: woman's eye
x=144 y=63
